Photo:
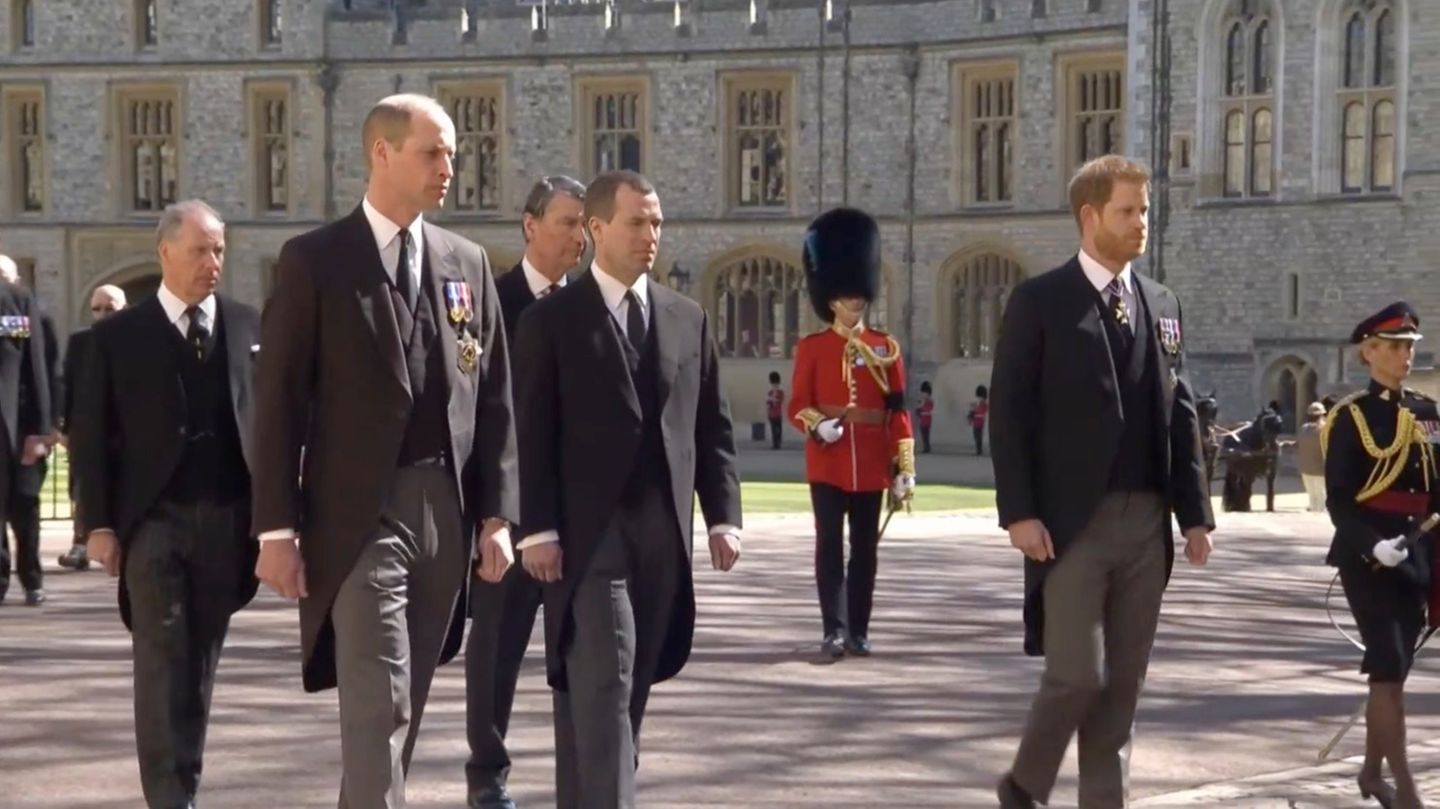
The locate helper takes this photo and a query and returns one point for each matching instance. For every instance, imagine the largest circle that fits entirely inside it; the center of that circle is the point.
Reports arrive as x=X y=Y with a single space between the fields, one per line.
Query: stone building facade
x=955 y=122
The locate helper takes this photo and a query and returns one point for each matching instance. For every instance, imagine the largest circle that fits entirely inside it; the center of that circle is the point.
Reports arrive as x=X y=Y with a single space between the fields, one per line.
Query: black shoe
x=75 y=558
x=491 y=797
x=858 y=646
x=34 y=598
x=1012 y=796
x=833 y=646
x=1383 y=793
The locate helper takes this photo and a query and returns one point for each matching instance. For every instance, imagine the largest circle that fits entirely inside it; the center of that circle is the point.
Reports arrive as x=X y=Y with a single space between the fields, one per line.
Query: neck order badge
x=460 y=306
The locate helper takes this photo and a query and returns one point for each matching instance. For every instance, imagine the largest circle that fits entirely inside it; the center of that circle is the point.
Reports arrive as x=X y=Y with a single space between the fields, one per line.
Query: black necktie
x=404 y=279
x=547 y=291
x=196 y=335
x=635 y=321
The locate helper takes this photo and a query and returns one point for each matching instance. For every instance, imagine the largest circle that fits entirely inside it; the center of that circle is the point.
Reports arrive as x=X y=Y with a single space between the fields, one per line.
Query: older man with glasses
x=105 y=301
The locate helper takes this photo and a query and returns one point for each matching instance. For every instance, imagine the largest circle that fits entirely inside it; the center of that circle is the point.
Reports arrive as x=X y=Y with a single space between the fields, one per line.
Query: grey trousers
x=390 y=617
x=183 y=573
x=621 y=612
x=1102 y=604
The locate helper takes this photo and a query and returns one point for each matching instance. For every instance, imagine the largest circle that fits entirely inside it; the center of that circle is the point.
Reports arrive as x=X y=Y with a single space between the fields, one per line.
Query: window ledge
x=988 y=207
x=1334 y=198
x=758 y=212
x=1213 y=203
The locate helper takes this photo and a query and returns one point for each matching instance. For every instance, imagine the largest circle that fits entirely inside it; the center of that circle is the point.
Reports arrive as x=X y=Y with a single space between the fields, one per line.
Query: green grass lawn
x=782 y=498
x=758 y=498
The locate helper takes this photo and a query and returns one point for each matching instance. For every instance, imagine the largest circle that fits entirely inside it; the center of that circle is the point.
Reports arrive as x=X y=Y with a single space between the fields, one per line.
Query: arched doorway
x=973 y=291
x=139 y=281
x=1292 y=383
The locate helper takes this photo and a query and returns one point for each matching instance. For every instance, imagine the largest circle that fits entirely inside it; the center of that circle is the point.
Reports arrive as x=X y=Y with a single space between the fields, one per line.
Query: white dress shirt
x=538 y=283
x=175 y=310
x=387 y=242
x=1100 y=277
x=613 y=291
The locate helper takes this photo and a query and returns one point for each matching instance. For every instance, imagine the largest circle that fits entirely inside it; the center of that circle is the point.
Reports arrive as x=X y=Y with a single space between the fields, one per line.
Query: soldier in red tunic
x=848 y=398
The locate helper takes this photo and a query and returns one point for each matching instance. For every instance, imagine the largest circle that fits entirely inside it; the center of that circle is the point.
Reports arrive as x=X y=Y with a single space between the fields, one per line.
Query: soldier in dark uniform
x=1381 y=481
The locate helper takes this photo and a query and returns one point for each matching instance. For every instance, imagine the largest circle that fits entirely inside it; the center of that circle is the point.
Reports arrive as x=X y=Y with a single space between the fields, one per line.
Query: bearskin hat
x=774 y=377
x=925 y=387
x=842 y=258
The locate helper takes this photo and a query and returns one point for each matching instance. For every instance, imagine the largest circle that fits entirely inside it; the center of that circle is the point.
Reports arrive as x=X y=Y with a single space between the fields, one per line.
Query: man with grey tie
x=385 y=370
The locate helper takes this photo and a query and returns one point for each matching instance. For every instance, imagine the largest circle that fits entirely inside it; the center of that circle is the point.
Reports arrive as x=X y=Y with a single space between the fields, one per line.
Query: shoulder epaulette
x=1330 y=418
x=1415 y=394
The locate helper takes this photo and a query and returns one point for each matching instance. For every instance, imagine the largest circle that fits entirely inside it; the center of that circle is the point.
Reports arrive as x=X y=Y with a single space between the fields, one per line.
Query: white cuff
x=725 y=528
x=538 y=539
x=279 y=533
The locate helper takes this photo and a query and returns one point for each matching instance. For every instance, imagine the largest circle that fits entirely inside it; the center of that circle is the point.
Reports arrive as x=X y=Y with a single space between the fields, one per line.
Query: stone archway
x=139 y=280
x=972 y=288
x=1291 y=383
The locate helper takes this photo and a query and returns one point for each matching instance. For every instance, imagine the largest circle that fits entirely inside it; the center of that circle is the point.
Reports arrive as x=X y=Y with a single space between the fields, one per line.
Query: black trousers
x=502 y=617
x=979 y=440
x=775 y=430
x=845 y=601
x=925 y=437
x=183 y=573
x=20 y=511
x=621 y=611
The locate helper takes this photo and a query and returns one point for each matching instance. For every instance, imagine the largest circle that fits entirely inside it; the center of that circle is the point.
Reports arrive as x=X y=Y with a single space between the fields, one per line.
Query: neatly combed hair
x=1095 y=181
x=390 y=119
x=175 y=214
x=600 y=194
x=545 y=190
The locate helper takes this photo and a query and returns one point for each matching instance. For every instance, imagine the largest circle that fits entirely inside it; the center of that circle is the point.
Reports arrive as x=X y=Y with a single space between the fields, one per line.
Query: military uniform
x=1381 y=481
x=847 y=397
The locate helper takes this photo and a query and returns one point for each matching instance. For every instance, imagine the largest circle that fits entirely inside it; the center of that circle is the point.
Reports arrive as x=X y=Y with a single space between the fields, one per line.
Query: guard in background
x=775 y=409
x=848 y=397
x=1380 y=481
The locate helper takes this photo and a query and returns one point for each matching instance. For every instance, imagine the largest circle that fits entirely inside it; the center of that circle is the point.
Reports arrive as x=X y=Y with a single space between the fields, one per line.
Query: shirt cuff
x=541 y=538
x=279 y=533
x=94 y=531
x=725 y=528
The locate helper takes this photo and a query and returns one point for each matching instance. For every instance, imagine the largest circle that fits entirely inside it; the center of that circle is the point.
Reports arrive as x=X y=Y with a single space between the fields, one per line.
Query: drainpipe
x=910 y=64
x=820 y=116
x=845 y=110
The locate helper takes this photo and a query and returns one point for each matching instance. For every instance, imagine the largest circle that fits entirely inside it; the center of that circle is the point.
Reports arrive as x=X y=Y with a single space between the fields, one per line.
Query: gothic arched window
x=1246 y=119
x=978 y=291
x=1365 y=100
x=758 y=305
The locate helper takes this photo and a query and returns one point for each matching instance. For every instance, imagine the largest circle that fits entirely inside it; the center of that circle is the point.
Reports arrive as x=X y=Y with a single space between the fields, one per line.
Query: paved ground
x=1248 y=682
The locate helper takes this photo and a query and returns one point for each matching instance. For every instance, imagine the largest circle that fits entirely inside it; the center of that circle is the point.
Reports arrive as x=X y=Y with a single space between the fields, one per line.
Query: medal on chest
x=460 y=308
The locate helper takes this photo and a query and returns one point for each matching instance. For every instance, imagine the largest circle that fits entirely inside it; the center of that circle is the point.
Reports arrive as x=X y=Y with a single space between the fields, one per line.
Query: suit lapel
x=1152 y=296
x=1097 y=344
x=666 y=323
x=237 y=357
x=162 y=333
x=607 y=340
x=440 y=260
x=372 y=288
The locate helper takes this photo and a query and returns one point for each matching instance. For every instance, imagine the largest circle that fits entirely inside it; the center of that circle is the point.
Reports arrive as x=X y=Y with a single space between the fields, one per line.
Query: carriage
x=1249 y=451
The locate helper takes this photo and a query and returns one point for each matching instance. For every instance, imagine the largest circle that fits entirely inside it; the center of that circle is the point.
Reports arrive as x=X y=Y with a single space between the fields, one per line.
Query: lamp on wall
x=678 y=278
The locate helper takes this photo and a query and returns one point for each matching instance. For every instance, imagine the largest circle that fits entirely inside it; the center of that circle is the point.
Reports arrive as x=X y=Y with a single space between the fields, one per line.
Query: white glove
x=1389 y=553
x=830 y=430
x=903 y=486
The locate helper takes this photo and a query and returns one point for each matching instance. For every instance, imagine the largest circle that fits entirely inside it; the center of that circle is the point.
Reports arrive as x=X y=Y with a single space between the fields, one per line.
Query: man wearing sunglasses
x=104 y=301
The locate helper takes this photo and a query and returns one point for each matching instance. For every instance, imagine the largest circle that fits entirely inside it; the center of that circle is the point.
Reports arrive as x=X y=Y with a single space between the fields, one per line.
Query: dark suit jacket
x=580 y=430
x=331 y=387
x=515 y=296
x=32 y=478
x=128 y=437
x=1055 y=416
x=25 y=408
x=74 y=361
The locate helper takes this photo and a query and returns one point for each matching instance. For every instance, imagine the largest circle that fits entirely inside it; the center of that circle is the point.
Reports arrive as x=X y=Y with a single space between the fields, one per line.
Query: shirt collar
x=175 y=308
x=845 y=332
x=1100 y=276
x=385 y=230
x=538 y=283
x=614 y=291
